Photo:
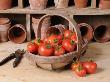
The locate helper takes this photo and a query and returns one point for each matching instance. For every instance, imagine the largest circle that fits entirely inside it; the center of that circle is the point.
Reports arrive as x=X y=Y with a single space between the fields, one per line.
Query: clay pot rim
x=96 y=38
x=18 y=25
x=89 y=27
x=5 y=27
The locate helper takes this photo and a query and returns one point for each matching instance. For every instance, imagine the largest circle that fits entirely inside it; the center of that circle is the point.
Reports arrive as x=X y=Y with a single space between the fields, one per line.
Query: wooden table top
x=26 y=72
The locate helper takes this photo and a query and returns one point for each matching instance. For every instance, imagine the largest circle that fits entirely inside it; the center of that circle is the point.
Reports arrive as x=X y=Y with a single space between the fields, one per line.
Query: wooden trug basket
x=57 y=62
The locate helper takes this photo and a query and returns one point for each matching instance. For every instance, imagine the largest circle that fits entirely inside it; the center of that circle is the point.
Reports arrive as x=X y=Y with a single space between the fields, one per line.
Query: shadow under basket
x=57 y=62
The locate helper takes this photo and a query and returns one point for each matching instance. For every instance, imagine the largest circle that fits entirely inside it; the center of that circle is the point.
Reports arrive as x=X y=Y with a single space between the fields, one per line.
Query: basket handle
x=72 y=25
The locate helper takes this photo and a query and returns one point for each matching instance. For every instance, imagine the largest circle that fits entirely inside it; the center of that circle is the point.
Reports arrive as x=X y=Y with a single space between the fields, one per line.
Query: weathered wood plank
x=20 y=3
x=28 y=27
x=93 y=3
x=72 y=10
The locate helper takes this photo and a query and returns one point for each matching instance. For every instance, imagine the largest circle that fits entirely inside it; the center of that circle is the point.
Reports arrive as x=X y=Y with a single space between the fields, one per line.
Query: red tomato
x=32 y=48
x=60 y=37
x=45 y=50
x=38 y=41
x=67 y=33
x=74 y=37
x=53 y=40
x=59 y=51
x=45 y=40
x=68 y=45
x=80 y=71
x=76 y=65
x=90 y=67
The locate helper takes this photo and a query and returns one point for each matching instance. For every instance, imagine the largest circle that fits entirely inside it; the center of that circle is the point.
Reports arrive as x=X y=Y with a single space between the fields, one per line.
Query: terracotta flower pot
x=61 y=3
x=102 y=33
x=104 y=4
x=57 y=29
x=38 y=4
x=86 y=31
x=80 y=3
x=4 y=26
x=5 y=4
x=17 y=33
x=45 y=25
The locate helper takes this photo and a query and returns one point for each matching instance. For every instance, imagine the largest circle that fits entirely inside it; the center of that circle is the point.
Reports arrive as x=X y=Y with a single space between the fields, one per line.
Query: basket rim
x=53 y=59
x=64 y=55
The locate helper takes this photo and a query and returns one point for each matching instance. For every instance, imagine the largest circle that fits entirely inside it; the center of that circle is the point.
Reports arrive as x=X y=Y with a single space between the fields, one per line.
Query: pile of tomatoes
x=83 y=68
x=54 y=45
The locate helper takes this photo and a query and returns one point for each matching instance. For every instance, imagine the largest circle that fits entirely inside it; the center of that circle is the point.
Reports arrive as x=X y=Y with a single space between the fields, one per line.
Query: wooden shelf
x=72 y=10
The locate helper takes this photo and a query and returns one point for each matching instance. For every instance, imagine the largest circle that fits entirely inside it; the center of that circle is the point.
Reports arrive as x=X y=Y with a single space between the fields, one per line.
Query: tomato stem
x=72 y=42
x=48 y=46
x=80 y=68
x=38 y=40
x=55 y=40
x=32 y=41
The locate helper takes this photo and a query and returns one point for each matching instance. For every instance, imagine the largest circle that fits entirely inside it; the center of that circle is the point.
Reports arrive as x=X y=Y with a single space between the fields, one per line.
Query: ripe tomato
x=69 y=45
x=76 y=65
x=45 y=40
x=45 y=50
x=90 y=67
x=53 y=40
x=67 y=33
x=74 y=37
x=38 y=41
x=80 y=71
x=32 y=48
x=59 y=51
x=60 y=38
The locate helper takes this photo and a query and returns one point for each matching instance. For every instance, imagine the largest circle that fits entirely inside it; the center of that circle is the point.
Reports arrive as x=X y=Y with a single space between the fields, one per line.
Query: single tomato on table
x=80 y=71
x=59 y=50
x=32 y=47
x=69 y=45
x=75 y=65
x=45 y=50
x=90 y=66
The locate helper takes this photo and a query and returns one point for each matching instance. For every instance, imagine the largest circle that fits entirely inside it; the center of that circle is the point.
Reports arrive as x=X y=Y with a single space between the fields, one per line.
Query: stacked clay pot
x=102 y=33
x=104 y=4
x=17 y=33
x=80 y=3
x=61 y=3
x=4 y=26
x=5 y=4
x=86 y=31
x=38 y=4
